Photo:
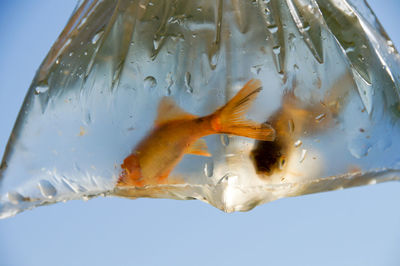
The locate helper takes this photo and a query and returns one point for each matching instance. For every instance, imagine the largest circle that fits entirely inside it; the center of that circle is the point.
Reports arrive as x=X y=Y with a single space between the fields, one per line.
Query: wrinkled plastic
x=330 y=78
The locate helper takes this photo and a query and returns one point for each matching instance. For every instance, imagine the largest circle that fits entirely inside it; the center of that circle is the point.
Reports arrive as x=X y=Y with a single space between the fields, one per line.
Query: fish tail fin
x=230 y=118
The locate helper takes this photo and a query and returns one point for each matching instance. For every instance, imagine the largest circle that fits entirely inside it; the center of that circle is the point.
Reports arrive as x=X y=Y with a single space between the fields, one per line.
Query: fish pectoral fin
x=131 y=174
x=168 y=111
x=199 y=147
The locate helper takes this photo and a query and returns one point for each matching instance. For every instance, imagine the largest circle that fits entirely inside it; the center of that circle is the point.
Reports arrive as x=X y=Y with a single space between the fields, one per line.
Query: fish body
x=164 y=147
x=177 y=133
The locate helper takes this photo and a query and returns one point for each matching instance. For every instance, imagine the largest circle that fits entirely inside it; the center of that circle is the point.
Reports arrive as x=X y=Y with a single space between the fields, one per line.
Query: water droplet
x=298 y=143
x=85 y=53
x=188 y=79
x=157 y=41
x=320 y=117
x=209 y=169
x=272 y=29
x=116 y=75
x=47 y=189
x=256 y=69
x=150 y=82
x=96 y=37
x=83 y=21
x=15 y=197
x=214 y=60
x=392 y=49
x=303 y=155
x=277 y=50
x=41 y=88
x=170 y=82
x=350 y=49
x=359 y=148
x=224 y=178
x=224 y=140
x=88 y=118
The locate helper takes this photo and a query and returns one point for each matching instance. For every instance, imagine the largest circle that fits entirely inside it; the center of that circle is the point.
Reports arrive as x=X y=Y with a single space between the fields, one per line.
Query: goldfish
x=297 y=118
x=176 y=133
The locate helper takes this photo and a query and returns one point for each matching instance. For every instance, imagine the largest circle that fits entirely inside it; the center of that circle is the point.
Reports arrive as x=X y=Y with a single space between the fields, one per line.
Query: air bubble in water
x=150 y=82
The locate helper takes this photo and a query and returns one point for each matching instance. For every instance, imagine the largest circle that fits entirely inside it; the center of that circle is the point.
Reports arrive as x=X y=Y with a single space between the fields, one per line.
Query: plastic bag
x=330 y=92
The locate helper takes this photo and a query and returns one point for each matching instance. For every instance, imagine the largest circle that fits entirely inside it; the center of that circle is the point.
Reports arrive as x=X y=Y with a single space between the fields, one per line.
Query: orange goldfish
x=177 y=132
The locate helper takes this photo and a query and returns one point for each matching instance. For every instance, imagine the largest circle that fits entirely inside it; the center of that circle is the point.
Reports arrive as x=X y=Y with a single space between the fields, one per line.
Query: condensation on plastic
x=330 y=78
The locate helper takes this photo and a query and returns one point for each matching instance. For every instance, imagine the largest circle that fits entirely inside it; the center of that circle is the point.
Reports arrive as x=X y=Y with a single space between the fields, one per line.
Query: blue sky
x=359 y=226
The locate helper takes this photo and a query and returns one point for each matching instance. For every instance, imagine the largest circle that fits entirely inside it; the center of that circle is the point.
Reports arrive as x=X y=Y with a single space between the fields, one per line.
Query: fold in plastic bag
x=330 y=92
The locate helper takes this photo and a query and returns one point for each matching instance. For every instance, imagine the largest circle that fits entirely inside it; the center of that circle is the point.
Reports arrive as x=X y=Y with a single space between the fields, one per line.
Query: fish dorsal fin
x=169 y=111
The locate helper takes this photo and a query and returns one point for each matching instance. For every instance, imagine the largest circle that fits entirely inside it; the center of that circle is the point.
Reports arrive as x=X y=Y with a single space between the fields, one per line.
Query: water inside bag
x=330 y=90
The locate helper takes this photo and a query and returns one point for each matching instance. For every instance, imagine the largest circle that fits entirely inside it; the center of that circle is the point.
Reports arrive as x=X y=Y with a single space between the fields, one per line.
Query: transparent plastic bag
x=330 y=90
